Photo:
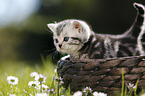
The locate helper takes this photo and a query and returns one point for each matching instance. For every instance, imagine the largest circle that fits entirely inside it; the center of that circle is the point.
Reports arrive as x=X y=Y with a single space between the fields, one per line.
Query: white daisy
x=34 y=84
x=44 y=87
x=87 y=89
x=40 y=78
x=12 y=80
x=58 y=79
x=51 y=91
x=99 y=94
x=78 y=93
x=131 y=86
x=33 y=74
x=61 y=82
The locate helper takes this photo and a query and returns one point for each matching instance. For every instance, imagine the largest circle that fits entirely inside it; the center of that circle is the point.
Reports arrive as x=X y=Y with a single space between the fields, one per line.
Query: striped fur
x=112 y=46
x=84 y=43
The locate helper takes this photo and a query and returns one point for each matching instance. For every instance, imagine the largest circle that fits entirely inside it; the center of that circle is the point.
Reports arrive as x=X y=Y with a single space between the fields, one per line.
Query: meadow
x=25 y=79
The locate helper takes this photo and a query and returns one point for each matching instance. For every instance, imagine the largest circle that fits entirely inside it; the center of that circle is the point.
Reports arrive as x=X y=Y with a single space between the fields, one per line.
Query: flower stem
x=58 y=88
x=41 y=87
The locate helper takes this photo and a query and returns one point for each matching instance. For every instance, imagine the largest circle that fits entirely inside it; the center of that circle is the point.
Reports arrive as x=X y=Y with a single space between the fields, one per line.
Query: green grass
x=22 y=71
x=132 y=90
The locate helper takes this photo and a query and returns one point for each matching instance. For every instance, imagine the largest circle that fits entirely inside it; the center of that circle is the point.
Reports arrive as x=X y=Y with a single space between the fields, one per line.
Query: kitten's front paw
x=60 y=66
x=62 y=62
x=65 y=58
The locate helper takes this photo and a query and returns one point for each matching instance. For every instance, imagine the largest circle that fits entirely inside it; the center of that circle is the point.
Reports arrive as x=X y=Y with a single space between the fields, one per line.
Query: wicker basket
x=103 y=75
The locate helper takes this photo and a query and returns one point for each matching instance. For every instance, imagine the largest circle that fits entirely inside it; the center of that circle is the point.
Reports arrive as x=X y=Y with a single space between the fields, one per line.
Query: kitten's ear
x=77 y=25
x=51 y=26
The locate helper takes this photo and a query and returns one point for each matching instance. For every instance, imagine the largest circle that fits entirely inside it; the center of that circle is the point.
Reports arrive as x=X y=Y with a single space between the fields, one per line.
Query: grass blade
x=122 y=89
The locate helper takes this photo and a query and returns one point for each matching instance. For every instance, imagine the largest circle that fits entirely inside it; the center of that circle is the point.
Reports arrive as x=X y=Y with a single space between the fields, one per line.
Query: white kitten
x=70 y=35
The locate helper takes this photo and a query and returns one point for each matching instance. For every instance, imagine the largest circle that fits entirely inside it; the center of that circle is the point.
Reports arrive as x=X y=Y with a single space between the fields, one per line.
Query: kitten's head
x=70 y=35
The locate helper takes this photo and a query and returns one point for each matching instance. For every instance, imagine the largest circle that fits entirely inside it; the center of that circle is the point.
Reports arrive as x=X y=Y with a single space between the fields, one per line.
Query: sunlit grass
x=22 y=71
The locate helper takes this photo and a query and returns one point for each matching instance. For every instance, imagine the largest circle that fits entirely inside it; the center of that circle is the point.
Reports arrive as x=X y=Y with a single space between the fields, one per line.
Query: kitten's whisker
x=51 y=54
x=55 y=54
x=50 y=50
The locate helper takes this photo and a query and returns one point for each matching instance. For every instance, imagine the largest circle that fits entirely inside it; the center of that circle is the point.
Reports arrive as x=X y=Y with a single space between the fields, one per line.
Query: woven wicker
x=103 y=75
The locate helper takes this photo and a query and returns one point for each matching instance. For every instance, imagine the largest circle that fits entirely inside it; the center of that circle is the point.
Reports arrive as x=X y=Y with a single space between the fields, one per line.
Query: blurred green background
x=24 y=35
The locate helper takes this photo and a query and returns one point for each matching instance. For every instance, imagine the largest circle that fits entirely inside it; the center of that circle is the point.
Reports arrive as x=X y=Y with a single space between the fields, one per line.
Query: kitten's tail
x=138 y=27
x=140 y=24
x=137 y=30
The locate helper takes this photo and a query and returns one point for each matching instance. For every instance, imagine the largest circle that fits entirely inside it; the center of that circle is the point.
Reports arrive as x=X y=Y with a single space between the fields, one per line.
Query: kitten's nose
x=60 y=46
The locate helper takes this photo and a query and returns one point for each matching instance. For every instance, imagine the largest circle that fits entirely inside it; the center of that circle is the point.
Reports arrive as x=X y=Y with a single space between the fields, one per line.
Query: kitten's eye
x=66 y=39
x=56 y=40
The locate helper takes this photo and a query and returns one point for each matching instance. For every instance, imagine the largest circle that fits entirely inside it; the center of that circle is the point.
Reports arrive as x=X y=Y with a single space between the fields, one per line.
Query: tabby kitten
x=75 y=37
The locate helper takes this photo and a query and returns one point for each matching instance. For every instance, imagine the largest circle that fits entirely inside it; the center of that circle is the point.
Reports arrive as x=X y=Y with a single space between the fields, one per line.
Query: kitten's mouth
x=60 y=50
